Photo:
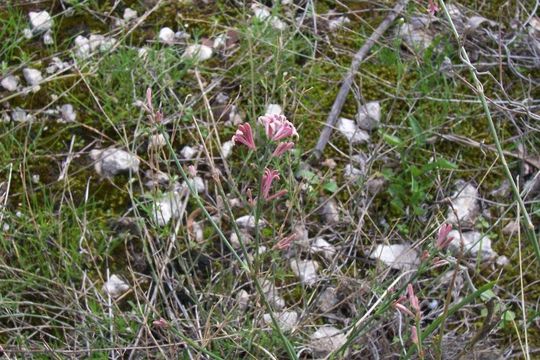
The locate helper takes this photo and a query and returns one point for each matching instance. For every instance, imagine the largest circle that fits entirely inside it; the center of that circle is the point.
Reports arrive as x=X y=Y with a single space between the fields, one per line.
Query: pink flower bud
x=277 y=127
x=282 y=148
x=244 y=135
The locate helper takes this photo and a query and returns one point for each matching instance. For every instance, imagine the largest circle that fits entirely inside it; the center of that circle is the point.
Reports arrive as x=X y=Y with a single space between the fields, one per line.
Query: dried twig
x=347 y=82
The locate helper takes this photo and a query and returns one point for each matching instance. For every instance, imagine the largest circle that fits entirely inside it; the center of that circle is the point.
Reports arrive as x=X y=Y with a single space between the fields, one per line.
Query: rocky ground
x=143 y=217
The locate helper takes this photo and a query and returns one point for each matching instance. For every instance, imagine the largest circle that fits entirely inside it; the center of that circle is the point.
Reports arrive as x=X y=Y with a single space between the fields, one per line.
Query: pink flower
x=402 y=309
x=277 y=127
x=192 y=171
x=432 y=7
x=442 y=238
x=161 y=323
x=244 y=135
x=285 y=242
x=268 y=176
x=415 y=304
x=414 y=335
x=282 y=148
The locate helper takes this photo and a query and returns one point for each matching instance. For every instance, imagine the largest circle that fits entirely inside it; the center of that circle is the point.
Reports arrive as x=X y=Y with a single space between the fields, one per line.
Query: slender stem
x=481 y=95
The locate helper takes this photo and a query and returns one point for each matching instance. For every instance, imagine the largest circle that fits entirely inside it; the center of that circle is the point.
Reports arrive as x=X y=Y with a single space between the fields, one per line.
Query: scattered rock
x=369 y=116
x=301 y=235
x=156 y=179
x=248 y=222
x=464 y=206
x=40 y=21
x=321 y=246
x=220 y=41
x=328 y=300
x=273 y=109
x=56 y=65
x=19 y=115
x=82 y=47
x=374 y=185
x=167 y=208
x=415 y=35
x=67 y=113
x=110 y=162
x=397 y=256
x=502 y=261
x=286 y=320
x=32 y=76
x=305 y=270
x=197 y=183
x=115 y=287
x=511 y=228
x=48 y=38
x=188 y=152
x=243 y=299
x=226 y=149
x=474 y=243
x=10 y=83
x=354 y=134
x=166 y=36
x=198 y=52
x=235 y=240
x=270 y=292
x=325 y=340
x=262 y=13
x=338 y=23
x=129 y=14
x=156 y=142
x=27 y=34
x=352 y=173
x=330 y=212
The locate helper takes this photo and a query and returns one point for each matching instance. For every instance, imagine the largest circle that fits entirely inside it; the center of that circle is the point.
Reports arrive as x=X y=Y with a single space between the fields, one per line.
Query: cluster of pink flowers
x=277 y=129
x=414 y=310
x=432 y=7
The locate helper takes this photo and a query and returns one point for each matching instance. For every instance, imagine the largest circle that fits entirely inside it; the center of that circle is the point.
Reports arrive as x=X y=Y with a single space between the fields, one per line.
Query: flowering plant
x=276 y=128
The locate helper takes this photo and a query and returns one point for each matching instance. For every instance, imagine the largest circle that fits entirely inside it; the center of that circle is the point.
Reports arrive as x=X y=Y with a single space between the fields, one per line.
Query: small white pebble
x=115 y=286
x=40 y=21
x=129 y=14
x=198 y=52
x=226 y=148
x=166 y=35
x=10 y=83
x=68 y=113
x=32 y=76
x=48 y=38
x=27 y=34
x=188 y=152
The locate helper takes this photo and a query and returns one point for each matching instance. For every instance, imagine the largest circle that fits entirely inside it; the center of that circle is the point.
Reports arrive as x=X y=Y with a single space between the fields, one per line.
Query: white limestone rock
x=273 y=109
x=397 y=256
x=10 y=83
x=270 y=292
x=325 y=340
x=321 y=246
x=40 y=21
x=68 y=113
x=226 y=148
x=198 y=52
x=330 y=212
x=305 y=270
x=115 y=286
x=369 y=116
x=474 y=243
x=32 y=76
x=188 y=152
x=129 y=14
x=156 y=142
x=110 y=162
x=166 y=36
x=248 y=222
x=286 y=320
x=167 y=208
x=351 y=131
x=464 y=206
